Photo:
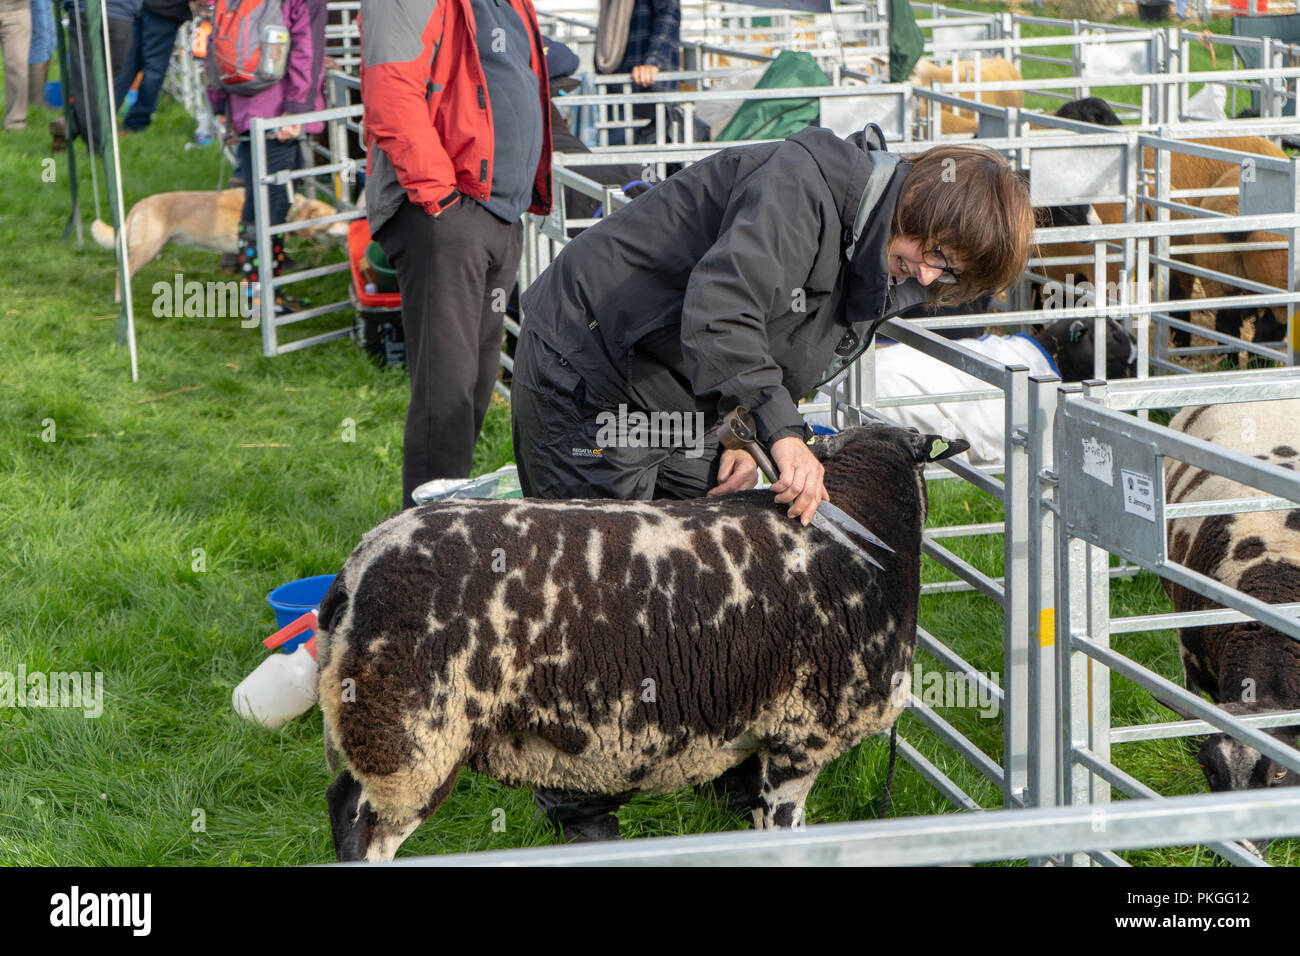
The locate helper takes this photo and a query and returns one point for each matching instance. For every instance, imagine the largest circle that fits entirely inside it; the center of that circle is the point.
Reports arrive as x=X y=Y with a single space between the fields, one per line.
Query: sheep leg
x=1180 y=287
x=782 y=794
x=1270 y=325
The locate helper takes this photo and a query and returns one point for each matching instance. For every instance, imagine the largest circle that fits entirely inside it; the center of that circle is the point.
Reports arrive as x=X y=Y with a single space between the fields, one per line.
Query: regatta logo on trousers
x=102 y=909
x=587 y=452
x=653 y=430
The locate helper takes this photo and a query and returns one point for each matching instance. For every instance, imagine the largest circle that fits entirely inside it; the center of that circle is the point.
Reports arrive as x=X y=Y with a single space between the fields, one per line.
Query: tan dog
x=207 y=219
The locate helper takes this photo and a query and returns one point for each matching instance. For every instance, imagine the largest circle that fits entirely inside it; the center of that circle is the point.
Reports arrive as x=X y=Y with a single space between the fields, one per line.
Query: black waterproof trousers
x=455 y=272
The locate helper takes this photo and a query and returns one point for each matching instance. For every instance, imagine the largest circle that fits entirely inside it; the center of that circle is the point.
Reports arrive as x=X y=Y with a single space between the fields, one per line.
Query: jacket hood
x=847 y=166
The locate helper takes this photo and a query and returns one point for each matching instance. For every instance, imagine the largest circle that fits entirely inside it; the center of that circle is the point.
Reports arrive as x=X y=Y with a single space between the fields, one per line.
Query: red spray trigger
x=306 y=622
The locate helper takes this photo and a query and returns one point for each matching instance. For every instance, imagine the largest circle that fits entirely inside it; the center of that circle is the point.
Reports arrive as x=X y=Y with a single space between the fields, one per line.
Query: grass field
x=141 y=526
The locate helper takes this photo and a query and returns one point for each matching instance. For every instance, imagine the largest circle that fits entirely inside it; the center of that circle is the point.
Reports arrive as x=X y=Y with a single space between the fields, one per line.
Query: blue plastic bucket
x=291 y=601
x=54 y=94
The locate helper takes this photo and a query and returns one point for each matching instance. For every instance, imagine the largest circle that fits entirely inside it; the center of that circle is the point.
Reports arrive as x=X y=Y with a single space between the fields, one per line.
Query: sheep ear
x=936 y=448
x=1077 y=328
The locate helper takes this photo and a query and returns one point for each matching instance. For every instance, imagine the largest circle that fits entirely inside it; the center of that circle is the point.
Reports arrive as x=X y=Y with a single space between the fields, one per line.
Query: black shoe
x=579 y=819
x=591 y=831
x=229 y=263
x=737 y=788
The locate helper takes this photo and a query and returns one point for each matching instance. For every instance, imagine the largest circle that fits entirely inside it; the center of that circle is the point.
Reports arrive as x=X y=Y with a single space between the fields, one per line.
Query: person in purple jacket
x=300 y=91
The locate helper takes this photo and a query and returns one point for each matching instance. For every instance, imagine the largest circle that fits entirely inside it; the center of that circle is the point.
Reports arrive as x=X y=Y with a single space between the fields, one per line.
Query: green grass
x=220 y=452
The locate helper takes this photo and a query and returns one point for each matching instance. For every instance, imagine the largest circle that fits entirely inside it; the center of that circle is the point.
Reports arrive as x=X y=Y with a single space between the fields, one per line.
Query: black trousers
x=279 y=156
x=455 y=272
x=556 y=426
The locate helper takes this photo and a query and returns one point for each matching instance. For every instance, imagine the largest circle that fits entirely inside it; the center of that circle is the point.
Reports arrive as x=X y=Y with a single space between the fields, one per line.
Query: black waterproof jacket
x=738 y=281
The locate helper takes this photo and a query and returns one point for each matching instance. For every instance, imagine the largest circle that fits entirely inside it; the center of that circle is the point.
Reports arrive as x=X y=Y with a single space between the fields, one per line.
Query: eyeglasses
x=935 y=259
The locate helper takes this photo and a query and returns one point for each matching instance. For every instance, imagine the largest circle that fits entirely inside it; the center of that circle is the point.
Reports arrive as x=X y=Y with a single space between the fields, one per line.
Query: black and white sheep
x=1245 y=667
x=613 y=646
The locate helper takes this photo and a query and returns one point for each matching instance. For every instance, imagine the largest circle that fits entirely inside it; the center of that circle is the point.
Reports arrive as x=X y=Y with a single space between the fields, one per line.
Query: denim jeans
x=44 y=40
x=151 y=52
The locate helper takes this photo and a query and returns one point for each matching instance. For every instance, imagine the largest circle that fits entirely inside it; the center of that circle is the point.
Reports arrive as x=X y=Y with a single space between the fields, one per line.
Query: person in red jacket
x=457 y=129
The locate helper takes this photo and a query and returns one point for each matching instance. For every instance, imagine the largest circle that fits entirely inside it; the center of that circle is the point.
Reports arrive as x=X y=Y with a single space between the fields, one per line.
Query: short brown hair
x=970 y=201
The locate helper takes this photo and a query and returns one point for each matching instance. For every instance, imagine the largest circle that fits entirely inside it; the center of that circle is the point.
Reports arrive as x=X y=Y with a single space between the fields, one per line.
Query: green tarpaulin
x=906 y=41
x=776 y=119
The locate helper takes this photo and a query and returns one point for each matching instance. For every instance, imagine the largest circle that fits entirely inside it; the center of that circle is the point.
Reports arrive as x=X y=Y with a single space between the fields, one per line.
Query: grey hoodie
x=729 y=283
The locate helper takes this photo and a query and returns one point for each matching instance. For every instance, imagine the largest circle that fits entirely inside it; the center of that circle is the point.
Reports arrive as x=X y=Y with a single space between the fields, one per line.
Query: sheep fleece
x=1258 y=554
x=612 y=646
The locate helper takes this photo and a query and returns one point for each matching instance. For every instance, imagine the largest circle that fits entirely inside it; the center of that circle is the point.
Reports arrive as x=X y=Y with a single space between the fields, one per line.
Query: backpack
x=248 y=51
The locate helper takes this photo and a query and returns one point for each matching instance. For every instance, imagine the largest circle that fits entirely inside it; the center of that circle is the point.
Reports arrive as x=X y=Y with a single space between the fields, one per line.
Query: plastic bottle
x=281 y=688
x=274 y=52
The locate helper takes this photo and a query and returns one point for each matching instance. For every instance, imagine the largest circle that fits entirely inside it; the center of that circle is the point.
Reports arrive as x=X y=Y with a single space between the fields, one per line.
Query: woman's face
x=906 y=259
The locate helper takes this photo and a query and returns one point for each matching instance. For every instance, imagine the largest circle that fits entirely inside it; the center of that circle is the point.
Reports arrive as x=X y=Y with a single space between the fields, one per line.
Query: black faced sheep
x=1090 y=109
x=1246 y=667
x=612 y=646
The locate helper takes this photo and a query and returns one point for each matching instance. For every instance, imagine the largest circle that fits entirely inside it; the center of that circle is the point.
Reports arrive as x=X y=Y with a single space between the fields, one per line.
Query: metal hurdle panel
x=1010 y=593
x=1100 y=451
x=1267 y=186
x=928 y=841
x=844 y=109
x=272 y=323
x=343 y=39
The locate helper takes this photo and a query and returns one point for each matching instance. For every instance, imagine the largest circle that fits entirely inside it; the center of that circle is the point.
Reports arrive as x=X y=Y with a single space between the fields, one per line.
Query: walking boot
x=282 y=265
x=250 y=272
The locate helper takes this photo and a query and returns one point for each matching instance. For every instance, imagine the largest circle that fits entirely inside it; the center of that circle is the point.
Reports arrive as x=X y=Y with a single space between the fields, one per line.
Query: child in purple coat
x=300 y=91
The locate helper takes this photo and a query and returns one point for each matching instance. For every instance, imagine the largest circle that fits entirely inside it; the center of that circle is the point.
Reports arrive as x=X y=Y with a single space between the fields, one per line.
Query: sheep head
x=917 y=448
x=1070 y=344
x=1229 y=764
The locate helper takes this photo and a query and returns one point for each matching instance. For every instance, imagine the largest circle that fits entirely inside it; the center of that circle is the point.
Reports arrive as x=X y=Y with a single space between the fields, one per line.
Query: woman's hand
x=644 y=75
x=801 y=478
x=286 y=133
x=736 y=472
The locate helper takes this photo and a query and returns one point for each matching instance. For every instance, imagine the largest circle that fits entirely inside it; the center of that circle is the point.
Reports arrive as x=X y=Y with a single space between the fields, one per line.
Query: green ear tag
x=937 y=448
